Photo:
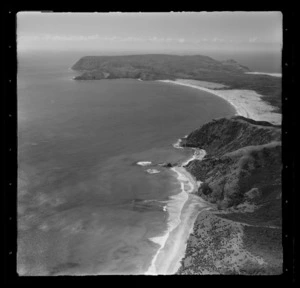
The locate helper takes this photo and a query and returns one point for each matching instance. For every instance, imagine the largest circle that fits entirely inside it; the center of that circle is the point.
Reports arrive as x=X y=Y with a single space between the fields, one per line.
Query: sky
x=185 y=32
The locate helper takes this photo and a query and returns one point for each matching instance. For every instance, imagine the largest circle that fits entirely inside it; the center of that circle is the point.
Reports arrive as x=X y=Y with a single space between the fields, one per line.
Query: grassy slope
x=221 y=246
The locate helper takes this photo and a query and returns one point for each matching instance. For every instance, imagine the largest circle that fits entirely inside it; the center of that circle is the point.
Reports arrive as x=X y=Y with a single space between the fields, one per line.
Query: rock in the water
x=167 y=165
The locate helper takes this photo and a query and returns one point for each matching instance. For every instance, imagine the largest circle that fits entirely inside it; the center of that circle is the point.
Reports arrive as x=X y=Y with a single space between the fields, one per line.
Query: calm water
x=84 y=205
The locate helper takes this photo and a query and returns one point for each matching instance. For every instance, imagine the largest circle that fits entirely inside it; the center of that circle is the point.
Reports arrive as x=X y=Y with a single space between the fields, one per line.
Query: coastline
x=247 y=103
x=183 y=209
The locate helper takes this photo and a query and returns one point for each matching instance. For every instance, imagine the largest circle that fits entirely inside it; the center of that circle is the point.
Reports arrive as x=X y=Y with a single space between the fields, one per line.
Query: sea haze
x=84 y=205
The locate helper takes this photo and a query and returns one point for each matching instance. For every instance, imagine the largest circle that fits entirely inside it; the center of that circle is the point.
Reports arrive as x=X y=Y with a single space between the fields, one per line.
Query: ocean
x=86 y=205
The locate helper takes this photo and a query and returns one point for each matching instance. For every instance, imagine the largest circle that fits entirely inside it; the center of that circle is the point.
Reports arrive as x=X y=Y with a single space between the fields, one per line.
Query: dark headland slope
x=171 y=67
x=241 y=176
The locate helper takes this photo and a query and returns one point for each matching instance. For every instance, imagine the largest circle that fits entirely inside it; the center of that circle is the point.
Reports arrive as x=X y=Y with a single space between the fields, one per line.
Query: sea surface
x=85 y=205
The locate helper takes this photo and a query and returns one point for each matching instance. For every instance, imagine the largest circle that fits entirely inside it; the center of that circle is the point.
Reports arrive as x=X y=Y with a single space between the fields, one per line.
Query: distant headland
x=171 y=67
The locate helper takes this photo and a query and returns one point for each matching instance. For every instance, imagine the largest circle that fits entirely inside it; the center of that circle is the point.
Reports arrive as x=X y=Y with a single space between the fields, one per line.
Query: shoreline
x=167 y=259
x=247 y=103
x=265 y=73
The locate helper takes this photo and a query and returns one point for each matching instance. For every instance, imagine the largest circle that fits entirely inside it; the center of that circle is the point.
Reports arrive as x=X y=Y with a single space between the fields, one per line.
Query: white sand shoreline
x=173 y=243
x=265 y=73
x=174 y=208
x=247 y=103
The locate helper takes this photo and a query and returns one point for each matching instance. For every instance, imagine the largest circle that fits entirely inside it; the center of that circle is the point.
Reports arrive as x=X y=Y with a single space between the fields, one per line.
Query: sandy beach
x=247 y=103
x=183 y=209
x=264 y=73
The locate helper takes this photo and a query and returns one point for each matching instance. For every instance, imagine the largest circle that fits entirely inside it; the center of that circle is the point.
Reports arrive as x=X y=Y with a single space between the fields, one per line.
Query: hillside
x=226 y=135
x=171 y=67
x=152 y=64
x=241 y=177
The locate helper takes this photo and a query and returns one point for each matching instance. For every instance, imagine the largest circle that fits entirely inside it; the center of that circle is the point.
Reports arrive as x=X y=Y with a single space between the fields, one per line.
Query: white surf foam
x=174 y=208
x=153 y=171
x=177 y=145
x=175 y=205
x=144 y=163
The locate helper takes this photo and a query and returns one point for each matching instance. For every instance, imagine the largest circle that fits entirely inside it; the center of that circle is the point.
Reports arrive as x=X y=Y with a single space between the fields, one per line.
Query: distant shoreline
x=265 y=73
x=247 y=103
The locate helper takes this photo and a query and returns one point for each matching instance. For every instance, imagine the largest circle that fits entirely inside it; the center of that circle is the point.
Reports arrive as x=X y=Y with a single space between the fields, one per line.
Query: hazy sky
x=194 y=32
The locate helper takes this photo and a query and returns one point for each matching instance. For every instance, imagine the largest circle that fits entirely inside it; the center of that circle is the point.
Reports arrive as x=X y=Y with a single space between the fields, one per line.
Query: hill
x=241 y=176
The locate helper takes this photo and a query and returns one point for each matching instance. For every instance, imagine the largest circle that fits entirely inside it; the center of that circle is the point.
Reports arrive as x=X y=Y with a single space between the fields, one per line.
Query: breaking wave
x=144 y=163
x=153 y=171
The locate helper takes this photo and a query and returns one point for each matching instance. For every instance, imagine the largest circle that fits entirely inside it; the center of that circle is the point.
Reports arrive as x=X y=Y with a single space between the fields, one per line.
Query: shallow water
x=84 y=204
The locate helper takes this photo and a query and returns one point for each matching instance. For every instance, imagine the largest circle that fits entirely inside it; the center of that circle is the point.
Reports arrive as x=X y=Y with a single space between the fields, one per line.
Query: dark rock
x=167 y=165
